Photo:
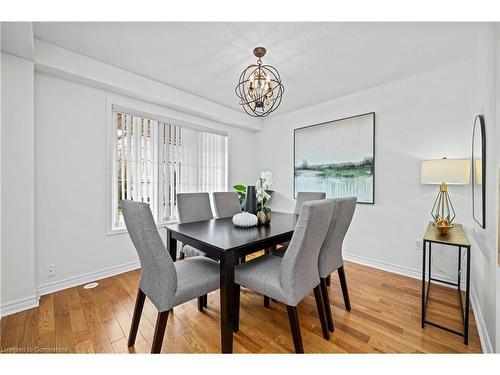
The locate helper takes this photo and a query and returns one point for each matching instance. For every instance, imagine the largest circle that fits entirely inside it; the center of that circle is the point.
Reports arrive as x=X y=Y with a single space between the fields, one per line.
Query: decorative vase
x=264 y=218
x=250 y=200
x=245 y=220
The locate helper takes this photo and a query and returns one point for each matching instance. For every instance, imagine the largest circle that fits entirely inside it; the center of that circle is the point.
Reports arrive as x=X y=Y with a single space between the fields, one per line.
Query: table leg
x=172 y=245
x=459 y=268
x=430 y=264
x=424 y=250
x=227 y=263
x=467 y=285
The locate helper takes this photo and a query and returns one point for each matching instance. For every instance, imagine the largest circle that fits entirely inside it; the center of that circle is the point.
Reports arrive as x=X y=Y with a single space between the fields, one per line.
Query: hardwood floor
x=385 y=318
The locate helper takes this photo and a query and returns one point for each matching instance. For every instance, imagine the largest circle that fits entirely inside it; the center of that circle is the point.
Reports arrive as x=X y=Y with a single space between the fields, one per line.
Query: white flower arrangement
x=263 y=190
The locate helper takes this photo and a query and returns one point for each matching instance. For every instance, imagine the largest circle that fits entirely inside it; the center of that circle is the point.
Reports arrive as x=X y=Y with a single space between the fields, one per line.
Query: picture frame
x=336 y=157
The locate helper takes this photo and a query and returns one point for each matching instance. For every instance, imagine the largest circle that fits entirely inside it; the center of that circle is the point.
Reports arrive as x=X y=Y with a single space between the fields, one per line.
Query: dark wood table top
x=456 y=236
x=224 y=235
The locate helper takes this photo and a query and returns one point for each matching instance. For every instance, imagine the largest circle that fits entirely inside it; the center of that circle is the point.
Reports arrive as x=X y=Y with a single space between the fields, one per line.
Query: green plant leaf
x=240 y=187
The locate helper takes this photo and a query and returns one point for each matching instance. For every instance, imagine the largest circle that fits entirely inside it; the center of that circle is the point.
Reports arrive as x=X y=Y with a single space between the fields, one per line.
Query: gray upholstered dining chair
x=291 y=278
x=305 y=196
x=330 y=256
x=302 y=197
x=192 y=207
x=226 y=204
x=165 y=283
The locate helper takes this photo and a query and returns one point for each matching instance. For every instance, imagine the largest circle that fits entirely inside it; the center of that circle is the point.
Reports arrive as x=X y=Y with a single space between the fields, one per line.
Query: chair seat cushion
x=262 y=275
x=196 y=276
x=190 y=251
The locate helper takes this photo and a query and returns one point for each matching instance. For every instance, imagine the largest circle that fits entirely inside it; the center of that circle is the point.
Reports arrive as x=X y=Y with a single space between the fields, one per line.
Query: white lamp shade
x=449 y=171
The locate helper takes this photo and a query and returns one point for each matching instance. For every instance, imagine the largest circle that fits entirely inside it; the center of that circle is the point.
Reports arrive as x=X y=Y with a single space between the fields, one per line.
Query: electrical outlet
x=50 y=270
x=418 y=245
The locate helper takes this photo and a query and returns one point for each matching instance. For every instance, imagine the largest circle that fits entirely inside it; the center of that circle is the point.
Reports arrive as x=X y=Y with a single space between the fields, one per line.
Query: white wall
x=18 y=184
x=484 y=260
x=1 y=73
x=497 y=347
x=1 y=166
x=71 y=178
x=424 y=117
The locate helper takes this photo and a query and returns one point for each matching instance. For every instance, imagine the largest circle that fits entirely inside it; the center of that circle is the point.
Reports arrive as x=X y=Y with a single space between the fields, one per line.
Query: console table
x=458 y=238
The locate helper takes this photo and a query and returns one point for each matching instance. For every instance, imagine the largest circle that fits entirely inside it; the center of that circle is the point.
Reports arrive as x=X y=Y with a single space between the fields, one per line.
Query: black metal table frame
x=228 y=260
x=425 y=291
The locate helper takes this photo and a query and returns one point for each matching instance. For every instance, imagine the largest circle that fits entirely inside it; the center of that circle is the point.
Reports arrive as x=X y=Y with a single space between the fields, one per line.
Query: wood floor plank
x=97 y=333
x=385 y=318
x=46 y=322
x=29 y=334
x=104 y=302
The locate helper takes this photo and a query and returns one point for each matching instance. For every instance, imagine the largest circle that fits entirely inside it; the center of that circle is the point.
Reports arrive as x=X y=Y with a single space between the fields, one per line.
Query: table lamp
x=444 y=172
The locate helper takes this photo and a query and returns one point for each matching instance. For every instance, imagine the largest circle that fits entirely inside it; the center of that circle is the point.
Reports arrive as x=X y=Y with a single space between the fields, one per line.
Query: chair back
x=193 y=207
x=299 y=267
x=304 y=196
x=226 y=204
x=330 y=256
x=158 y=276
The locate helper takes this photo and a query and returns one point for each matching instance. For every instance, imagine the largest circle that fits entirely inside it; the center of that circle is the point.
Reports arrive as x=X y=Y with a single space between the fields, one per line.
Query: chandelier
x=259 y=88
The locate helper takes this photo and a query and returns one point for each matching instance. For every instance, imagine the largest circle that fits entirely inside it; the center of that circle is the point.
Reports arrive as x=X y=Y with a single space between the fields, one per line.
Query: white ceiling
x=317 y=61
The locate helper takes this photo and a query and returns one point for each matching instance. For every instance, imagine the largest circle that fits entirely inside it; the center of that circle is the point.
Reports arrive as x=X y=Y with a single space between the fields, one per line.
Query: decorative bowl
x=443 y=226
x=245 y=220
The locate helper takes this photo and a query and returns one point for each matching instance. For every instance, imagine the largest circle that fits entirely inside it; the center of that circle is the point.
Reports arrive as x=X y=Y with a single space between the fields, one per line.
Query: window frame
x=155 y=113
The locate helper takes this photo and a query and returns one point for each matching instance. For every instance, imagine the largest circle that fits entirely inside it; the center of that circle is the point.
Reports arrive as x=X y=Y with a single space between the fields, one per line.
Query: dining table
x=220 y=239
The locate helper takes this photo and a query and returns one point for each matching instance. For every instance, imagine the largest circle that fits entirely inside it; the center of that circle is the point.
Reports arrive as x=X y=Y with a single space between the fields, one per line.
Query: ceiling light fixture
x=259 y=88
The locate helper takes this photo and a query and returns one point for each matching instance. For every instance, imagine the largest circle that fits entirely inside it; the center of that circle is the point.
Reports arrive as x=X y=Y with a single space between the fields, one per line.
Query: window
x=154 y=160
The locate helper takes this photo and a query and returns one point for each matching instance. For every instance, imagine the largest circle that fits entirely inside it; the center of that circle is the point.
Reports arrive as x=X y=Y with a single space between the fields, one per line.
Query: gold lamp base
x=443 y=227
x=443 y=212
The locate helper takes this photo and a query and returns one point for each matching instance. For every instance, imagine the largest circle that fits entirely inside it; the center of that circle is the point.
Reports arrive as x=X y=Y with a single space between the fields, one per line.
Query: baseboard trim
x=486 y=345
x=400 y=270
x=47 y=288
x=480 y=323
x=70 y=282
x=19 y=305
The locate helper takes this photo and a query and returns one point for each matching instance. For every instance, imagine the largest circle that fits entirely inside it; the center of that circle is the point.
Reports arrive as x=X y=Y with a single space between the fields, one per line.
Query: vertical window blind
x=155 y=160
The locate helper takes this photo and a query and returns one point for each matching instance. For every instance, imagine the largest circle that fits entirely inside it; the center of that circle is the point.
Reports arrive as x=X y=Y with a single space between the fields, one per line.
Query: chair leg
x=266 y=301
x=326 y=304
x=328 y=280
x=139 y=304
x=236 y=321
x=201 y=303
x=293 y=318
x=343 y=285
x=321 y=311
x=161 y=324
x=205 y=301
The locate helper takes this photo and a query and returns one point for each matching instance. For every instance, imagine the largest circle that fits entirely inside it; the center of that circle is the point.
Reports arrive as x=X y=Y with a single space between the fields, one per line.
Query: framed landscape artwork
x=337 y=157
